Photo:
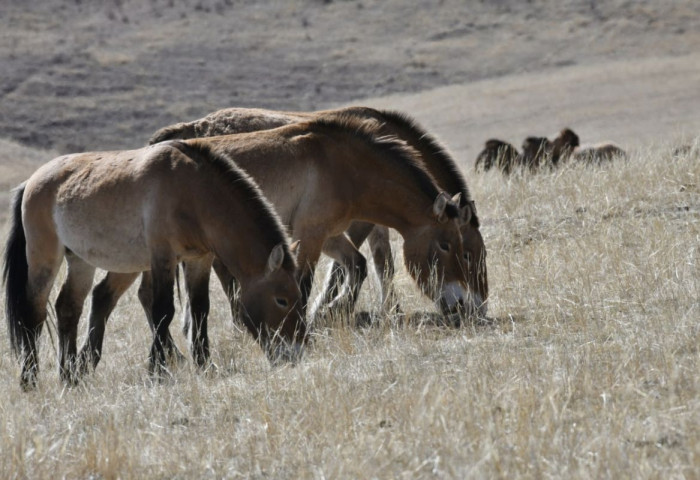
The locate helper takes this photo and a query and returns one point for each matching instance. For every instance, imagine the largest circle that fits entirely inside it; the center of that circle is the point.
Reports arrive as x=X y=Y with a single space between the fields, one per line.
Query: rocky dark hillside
x=79 y=75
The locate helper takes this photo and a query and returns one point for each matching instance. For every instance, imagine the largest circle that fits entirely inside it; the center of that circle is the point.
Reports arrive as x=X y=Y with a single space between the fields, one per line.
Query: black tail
x=15 y=274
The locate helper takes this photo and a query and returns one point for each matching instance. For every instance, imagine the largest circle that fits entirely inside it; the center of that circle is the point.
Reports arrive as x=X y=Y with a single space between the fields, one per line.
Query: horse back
x=104 y=206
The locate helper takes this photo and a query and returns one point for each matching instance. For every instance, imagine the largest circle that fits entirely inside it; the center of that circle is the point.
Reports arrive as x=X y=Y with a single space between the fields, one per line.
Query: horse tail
x=178 y=131
x=16 y=274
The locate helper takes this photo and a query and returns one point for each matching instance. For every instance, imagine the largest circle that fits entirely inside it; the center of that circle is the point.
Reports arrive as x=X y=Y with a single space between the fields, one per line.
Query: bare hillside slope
x=103 y=75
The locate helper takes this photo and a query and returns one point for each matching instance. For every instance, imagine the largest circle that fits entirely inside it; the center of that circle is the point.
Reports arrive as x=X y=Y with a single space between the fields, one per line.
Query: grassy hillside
x=587 y=367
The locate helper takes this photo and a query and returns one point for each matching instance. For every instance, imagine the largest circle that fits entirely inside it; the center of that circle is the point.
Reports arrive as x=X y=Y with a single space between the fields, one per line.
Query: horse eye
x=281 y=302
x=444 y=246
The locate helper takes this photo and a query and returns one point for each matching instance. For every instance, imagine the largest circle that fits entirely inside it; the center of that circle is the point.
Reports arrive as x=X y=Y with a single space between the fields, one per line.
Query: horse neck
x=234 y=235
x=384 y=192
x=433 y=157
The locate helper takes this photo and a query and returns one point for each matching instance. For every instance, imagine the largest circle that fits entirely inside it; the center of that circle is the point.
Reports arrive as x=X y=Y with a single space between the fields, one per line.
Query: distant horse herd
x=540 y=153
x=257 y=195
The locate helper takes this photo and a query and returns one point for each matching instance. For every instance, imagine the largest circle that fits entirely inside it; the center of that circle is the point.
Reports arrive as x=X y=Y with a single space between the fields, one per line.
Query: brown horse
x=320 y=176
x=439 y=163
x=496 y=154
x=536 y=153
x=144 y=210
x=563 y=146
x=598 y=153
x=436 y=160
x=540 y=152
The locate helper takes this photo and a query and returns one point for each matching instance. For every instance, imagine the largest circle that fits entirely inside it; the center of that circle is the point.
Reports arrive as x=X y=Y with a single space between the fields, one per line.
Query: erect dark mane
x=263 y=212
x=440 y=157
x=391 y=149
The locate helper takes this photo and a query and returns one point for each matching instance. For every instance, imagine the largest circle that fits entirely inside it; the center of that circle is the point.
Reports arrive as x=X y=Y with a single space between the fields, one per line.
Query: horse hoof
x=159 y=374
x=210 y=370
x=70 y=378
x=176 y=357
x=28 y=385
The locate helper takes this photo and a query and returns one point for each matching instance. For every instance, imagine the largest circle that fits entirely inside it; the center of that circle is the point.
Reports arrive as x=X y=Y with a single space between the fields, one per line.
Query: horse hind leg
x=42 y=271
x=69 y=307
x=104 y=298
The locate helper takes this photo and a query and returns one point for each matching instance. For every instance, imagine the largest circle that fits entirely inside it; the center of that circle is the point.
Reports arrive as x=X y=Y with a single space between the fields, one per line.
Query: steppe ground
x=587 y=366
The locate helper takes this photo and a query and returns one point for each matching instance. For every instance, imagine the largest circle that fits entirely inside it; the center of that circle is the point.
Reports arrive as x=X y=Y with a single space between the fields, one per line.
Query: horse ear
x=465 y=213
x=456 y=197
x=294 y=247
x=440 y=204
x=274 y=261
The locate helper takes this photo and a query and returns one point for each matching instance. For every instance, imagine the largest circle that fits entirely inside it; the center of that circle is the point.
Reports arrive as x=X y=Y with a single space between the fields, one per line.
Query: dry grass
x=589 y=368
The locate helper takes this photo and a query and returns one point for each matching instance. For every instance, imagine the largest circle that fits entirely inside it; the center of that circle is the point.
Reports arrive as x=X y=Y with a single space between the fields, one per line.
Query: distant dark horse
x=497 y=154
x=599 y=153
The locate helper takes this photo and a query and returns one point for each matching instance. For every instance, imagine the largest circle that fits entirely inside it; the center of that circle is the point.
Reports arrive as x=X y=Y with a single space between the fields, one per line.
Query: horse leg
x=162 y=309
x=197 y=275
x=145 y=294
x=380 y=245
x=306 y=281
x=104 y=298
x=43 y=262
x=357 y=233
x=343 y=251
x=311 y=242
x=69 y=306
x=230 y=286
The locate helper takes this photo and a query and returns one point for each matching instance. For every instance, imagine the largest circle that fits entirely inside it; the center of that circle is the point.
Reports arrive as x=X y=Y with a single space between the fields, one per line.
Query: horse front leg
x=350 y=267
x=380 y=244
x=104 y=298
x=310 y=244
x=69 y=306
x=230 y=286
x=145 y=294
x=342 y=250
x=197 y=273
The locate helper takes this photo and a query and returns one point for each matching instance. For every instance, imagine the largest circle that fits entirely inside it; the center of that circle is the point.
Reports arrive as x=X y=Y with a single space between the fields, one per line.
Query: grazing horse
x=440 y=164
x=144 y=210
x=436 y=160
x=563 y=146
x=598 y=153
x=321 y=175
x=496 y=154
x=535 y=154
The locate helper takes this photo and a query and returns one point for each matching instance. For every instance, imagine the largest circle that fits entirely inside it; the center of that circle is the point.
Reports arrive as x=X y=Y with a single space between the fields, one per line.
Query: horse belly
x=111 y=240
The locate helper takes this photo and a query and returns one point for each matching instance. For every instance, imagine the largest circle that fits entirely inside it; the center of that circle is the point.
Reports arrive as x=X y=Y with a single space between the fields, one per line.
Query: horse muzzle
x=455 y=300
x=282 y=352
x=452 y=298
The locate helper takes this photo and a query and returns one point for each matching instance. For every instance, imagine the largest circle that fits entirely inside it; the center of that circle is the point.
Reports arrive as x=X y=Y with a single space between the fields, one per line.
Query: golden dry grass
x=588 y=368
